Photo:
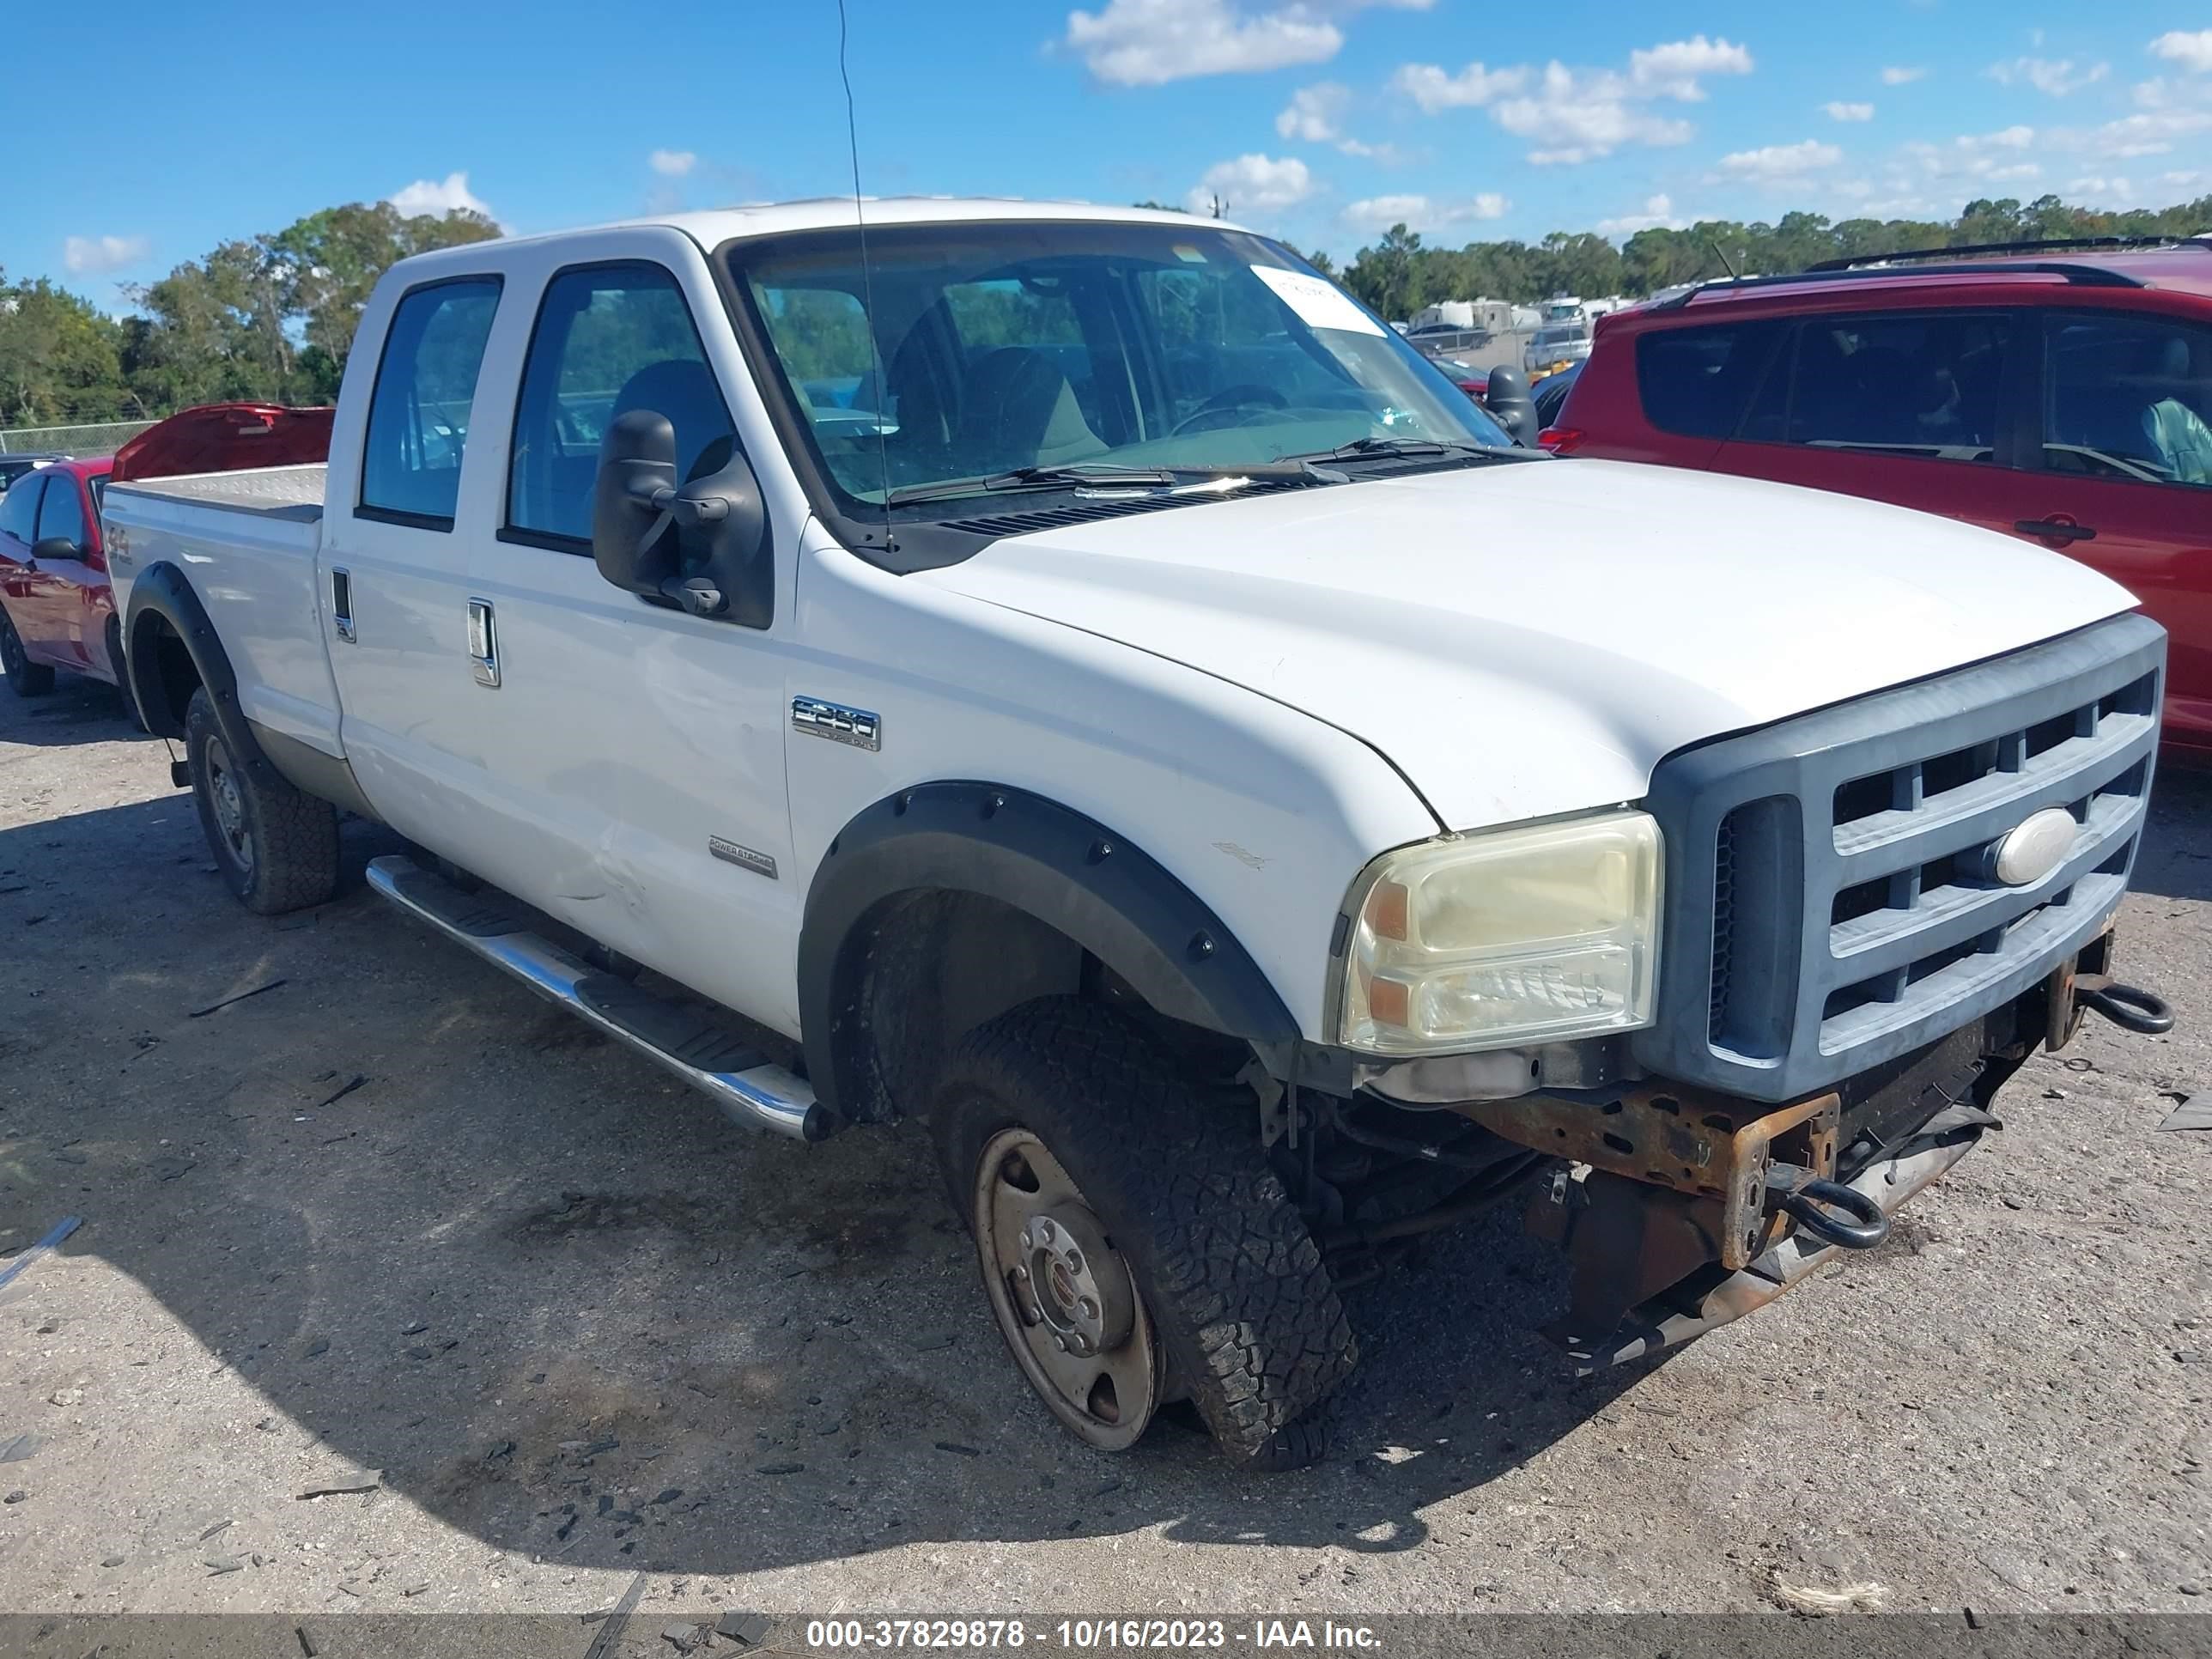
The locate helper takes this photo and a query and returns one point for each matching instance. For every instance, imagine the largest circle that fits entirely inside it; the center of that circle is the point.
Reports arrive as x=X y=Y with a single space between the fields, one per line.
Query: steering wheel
x=1229 y=399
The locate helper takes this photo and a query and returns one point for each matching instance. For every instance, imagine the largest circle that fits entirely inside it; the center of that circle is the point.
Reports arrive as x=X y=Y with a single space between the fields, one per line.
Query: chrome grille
x=1827 y=906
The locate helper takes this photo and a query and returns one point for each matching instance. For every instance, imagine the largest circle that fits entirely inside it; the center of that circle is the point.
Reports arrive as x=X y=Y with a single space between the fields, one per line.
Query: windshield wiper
x=1075 y=475
x=1360 y=449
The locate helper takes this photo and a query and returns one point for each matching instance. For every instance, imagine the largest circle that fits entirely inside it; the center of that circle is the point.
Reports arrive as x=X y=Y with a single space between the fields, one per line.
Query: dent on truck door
x=403 y=673
x=640 y=750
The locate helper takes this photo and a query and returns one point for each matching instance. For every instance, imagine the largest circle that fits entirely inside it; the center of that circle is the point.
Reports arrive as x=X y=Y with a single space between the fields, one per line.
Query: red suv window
x=1698 y=381
x=2129 y=397
x=1905 y=383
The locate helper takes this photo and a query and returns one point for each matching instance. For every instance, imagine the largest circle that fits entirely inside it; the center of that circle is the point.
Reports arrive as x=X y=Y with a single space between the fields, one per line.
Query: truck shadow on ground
x=2176 y=861
x=77 y=710
x=563 y=1306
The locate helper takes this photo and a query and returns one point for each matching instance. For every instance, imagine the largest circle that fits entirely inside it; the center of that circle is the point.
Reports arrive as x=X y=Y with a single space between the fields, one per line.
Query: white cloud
x=1673 y=69
x=1149 y=43
x=1781 y=162
x=1379 y=213
x=2153 y=132
x=1658 y=210
x=1580 y=114
x=2110 y=189
x=2192 y=49
x=1388 y=154
x=2181 y=176
x=1897 y=74
x=2013 y=137
x=1252 y=185
x=673 y=163
x=429 y=196
x=1427 y=85
x=1842 y=112
x=1312 y=114
x=2057 y=78
x=94 y=255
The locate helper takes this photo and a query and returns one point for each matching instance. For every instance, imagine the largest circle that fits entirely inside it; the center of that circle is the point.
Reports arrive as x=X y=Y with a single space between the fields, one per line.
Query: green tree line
x=269 y=318
x=1399 y=274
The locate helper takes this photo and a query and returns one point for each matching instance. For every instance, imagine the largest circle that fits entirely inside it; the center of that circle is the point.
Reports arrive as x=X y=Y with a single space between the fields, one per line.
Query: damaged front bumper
x=1680 y=1210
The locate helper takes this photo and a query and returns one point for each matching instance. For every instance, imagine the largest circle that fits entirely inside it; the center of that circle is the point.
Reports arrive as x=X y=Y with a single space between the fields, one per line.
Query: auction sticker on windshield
x=1318 y=303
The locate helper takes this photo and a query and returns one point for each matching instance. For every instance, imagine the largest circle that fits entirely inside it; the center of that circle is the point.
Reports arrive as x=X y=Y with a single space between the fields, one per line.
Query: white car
x=1070 y=676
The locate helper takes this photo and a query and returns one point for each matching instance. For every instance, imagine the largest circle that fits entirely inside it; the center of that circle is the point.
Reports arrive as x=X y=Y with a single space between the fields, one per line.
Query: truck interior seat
x=1018 y=408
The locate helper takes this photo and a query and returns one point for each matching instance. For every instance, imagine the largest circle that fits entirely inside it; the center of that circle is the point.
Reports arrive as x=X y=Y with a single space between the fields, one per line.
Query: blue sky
x=1322 y=120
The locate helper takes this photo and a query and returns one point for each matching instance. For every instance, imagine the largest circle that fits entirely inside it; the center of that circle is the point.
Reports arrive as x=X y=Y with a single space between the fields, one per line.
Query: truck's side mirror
x=703 y=545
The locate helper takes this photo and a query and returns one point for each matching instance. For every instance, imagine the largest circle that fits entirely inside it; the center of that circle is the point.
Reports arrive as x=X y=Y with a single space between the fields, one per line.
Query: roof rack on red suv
x=2047 y=245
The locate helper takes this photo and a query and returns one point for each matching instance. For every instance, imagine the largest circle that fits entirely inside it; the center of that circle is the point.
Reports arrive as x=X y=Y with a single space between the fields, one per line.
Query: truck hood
x=1527 y=639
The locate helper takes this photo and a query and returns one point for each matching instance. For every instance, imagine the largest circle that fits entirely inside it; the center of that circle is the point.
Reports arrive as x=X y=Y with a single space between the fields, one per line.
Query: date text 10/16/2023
x=1089 y=1635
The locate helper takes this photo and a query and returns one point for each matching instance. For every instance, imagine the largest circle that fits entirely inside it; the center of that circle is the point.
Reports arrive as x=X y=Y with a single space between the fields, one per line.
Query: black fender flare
x=1056 y=865
x=161 y=590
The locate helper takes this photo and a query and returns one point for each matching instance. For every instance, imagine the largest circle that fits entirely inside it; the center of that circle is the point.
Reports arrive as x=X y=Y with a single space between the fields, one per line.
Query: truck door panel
x=414 y=737
x=638 y=749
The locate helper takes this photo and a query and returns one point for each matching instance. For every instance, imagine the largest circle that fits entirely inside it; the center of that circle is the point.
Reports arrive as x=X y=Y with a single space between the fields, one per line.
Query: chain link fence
x=102 y=438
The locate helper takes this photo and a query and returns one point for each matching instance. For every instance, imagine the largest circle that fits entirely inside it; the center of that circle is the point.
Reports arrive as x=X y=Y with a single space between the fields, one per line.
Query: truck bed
x=250 y=539
x=294 y=493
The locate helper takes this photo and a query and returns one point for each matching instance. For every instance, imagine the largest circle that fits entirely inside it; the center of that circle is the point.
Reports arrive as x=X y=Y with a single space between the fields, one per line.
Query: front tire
x=25 y=678
x=1121 y=1217
x=276 y=845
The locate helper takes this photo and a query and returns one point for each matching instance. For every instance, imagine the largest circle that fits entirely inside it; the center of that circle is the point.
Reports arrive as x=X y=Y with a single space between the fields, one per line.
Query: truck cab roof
x=711 y=228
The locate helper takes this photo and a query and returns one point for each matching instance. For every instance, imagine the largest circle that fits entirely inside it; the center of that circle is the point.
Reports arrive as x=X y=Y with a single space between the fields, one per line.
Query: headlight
x=1504 y=937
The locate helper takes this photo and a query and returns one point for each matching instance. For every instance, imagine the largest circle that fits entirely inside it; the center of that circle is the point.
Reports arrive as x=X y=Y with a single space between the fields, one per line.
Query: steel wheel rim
x=229 y=804
x=1064 y=1299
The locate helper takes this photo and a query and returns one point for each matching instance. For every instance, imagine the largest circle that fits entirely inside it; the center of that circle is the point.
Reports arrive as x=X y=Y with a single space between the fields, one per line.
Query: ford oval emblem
x=2033 y=847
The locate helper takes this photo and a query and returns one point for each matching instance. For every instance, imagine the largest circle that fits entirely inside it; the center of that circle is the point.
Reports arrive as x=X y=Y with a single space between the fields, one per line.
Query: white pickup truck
x=1078 y=677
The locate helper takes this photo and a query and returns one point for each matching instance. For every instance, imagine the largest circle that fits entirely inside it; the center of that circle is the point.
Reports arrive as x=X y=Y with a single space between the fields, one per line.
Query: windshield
x=997 y=348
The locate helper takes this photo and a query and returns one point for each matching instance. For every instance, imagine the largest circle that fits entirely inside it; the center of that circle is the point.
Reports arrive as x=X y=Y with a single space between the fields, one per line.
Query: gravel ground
x=392 y=1214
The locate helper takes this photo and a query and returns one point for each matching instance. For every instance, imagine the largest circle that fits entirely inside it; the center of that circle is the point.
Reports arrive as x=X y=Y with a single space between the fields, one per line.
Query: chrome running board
x=749 y=1087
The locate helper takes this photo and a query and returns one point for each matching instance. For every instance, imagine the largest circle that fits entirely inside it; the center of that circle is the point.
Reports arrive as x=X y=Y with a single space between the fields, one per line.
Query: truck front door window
x=419 y=416
x=610 y=339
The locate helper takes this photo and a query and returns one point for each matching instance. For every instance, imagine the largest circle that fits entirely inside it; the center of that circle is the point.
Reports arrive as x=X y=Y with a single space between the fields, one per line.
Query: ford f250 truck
x=1070 y=676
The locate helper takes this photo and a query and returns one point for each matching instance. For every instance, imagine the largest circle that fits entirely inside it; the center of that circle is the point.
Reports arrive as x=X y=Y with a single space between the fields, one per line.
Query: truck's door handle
x=483 y=643
x=2063 y=531
x=342 y=602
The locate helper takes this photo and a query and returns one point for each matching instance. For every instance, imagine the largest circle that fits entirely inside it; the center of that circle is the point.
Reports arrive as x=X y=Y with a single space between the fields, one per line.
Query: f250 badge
x=835 y=721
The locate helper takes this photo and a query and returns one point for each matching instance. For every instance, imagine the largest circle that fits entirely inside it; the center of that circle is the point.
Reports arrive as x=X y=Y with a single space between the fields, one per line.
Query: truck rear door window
x=1698 y=381
x=418 y=415
x=610 y=339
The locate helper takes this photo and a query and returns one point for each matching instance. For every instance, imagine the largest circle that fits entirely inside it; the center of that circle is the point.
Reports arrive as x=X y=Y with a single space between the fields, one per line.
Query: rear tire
x=25 y=678
x=277 y=846
x=1227 y=1279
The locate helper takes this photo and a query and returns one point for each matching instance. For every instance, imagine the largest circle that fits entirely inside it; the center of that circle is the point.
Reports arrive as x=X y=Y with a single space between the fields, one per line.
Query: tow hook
x=1814 y=1201
x=2128 y=1006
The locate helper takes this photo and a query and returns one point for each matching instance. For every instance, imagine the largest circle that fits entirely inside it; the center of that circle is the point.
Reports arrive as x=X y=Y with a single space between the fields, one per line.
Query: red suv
x=2061 y=393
